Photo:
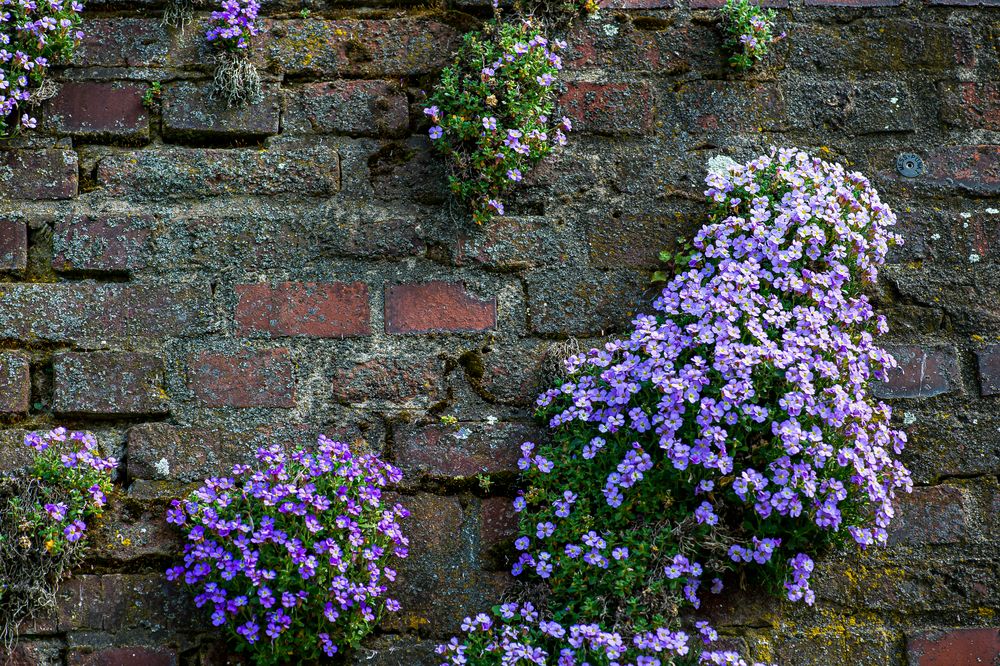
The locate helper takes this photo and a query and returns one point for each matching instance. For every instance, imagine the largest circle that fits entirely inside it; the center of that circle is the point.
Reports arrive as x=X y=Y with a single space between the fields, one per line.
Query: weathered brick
x=391 y=380
x=866 y=107
x=923 y=372
x=90 y=110
x=189 y=111
x=989 y=370
x=15 y=383
x=122 y=656
x=577 y=302
x=122 y=42
x=436 y=307
x=629 y=241
x=38 y=174
x=82 y=311
x=853 y=3
x=472 y=449
x=954 y=647
x=369 y=48
x=13 y=245
x=356 y=108
x=132 y=531
x=243 y=379
x=974 y=169
x=106 y=383
x=712 y=106
x=35 y=653
x=971 y=104
x=967 y=3
x=935 y=515
x=609 y=108
x=636 y=4
x=119 y=602
x=101 y=243
x=626 y=47
x=515 y=243
x=158 y=451
x=715 y=4
x=201 y=172
x=320 y=310
x=497 y=521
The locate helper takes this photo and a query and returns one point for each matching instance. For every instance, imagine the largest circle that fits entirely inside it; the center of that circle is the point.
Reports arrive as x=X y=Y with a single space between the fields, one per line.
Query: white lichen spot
x=935 y=236
x=974 y=258
x=965 y=216
x=894 y=101
x=993 y=211
x=721 y=164
x=610 y=29
x=163 y=467
x=491 y=420
x=909 y=418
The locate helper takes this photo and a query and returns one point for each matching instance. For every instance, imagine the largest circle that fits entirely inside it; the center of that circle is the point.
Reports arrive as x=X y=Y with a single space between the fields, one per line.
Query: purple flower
x=436 y=132
x=74 y=531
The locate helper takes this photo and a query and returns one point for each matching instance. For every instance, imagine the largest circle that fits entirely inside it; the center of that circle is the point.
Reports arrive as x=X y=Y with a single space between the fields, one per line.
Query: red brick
x=390 y=379
x=13 y=245
x=38 y=174
x=967 y=3
x=369 y=48
x=853 y=3
x=123 y=656
x=319 y=310
x=922 y=372
x=636 y=4
x=954 y=647
x=312 y=170
x=101 y=243
x=435 y=449
x=243 y=379
x=190 y=112
x=989 y=370
x=436 y=307
x=971 y=104
x=609 y=108
x=34 y=653
x=99 y=110
x=104 y=383
x=974 y=169
x=935 y=515
x=356 y=108
x=15 y=383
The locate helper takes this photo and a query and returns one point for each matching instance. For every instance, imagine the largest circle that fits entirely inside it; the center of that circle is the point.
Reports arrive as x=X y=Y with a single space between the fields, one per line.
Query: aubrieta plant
x=233 y=28
x=734 y=428
x=491 y=114
x=33 y=37
x=46 y=512
x=749 y=31
x=293 y=555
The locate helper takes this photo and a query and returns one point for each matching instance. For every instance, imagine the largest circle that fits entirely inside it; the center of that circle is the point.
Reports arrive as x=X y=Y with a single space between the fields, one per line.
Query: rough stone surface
x=190 y=281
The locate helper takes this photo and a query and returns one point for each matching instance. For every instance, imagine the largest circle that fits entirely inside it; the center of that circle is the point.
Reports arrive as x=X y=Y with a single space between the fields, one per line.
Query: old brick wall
x=188 y=281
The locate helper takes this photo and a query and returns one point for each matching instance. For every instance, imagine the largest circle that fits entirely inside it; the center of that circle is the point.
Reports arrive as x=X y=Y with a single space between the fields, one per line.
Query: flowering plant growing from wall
x=733 y=429
x=33 y=37
x=233 y=28
x=46 y=512
x=491 y=114
x=293 y=555
x=749 y=30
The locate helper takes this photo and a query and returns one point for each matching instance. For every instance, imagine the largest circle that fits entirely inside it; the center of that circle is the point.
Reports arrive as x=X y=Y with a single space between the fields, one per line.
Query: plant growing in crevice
x=233 y=28
x=33 y=37
x=492 y=113
x=152 y=94
x=293 y=555
x=749 y=32
x=47 y=510
x=733 y=429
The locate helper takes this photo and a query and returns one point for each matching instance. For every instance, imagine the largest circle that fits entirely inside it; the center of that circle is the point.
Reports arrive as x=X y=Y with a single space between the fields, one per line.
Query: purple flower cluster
x=732 y=425
x=33 y=35
x=293 y=554
x=235 y=24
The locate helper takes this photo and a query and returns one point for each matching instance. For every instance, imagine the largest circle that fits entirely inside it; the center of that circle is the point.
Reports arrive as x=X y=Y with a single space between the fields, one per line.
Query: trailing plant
x=46 y=512
x=178 y=14
x=237 y=80
x=491 y=114
x=292 y=555
x=733 y=429
x=33 y=37
x=749 y=30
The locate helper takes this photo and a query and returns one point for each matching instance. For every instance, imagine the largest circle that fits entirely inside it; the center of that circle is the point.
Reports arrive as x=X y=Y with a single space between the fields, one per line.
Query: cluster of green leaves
x=749 y=32
x=492 y=112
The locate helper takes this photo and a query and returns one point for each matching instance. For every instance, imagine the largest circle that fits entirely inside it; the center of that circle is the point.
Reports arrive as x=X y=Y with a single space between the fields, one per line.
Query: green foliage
x=152 y=94
x=749 y=31
x=492 y=112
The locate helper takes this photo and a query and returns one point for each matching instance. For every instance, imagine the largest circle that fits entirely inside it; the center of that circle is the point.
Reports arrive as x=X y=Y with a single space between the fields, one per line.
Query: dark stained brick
x=935 y=515
x=470 y=449
x=609 y=108
x=243 y=379
x=109 y=383
x=103 y=243
x=15 y=383
x=189 y=111
x=123 y=656
x=989 y=370
x=91 y=110
x=13 y=245
x=922 y=372
x=38 y=174
x=356 y=108
x=974 y=169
